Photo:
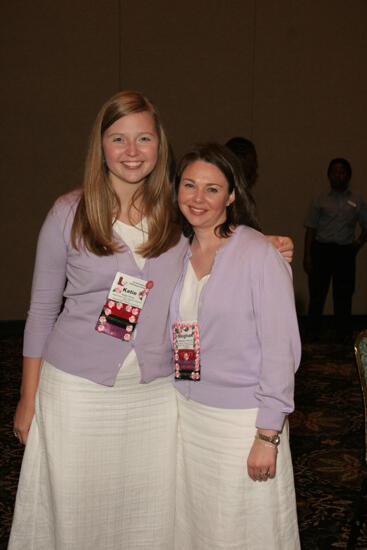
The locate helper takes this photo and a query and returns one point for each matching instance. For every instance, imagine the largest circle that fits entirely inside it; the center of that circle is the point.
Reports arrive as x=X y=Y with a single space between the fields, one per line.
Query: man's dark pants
x=337 y=263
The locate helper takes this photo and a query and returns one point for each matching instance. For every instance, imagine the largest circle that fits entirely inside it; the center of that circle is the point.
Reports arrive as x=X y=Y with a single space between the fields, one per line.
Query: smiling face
x=130 y=147
x=203 y=195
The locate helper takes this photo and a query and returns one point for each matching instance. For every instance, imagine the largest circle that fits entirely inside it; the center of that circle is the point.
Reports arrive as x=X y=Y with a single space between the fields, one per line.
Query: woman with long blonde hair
x=97 y=410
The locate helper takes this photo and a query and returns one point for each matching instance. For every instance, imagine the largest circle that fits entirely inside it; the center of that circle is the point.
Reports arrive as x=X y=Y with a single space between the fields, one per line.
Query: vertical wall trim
x=253 y=73
x=119 y=46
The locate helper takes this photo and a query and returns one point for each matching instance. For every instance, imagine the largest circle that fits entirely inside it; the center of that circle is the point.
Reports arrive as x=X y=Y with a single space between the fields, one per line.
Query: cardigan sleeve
x=49 y=280
x=280 y=344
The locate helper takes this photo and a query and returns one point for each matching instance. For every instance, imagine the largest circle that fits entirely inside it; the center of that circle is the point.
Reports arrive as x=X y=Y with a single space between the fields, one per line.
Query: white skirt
x=98 y=471
x=218 y=506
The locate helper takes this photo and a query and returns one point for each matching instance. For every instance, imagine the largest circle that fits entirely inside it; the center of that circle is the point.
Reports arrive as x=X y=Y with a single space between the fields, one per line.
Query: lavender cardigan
x=249 y=340
x=69 y=340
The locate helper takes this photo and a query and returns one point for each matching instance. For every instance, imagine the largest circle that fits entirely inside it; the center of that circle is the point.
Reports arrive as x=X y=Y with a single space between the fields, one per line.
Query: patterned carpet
x=326 y=439
x=327 y=446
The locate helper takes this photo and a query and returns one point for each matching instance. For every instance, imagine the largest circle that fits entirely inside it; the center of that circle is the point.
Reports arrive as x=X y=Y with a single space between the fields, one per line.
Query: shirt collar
x=345 y=193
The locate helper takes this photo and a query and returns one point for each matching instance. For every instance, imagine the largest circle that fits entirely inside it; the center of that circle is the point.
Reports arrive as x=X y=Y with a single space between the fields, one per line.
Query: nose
x=131 y=148
x=198 y=195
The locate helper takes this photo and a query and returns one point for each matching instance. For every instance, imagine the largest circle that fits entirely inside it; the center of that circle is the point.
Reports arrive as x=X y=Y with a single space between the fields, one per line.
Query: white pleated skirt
x=218 y=506
x=98 y=471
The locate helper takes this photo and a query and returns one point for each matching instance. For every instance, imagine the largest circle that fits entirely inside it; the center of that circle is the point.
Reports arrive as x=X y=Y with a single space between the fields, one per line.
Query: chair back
x=360 y=351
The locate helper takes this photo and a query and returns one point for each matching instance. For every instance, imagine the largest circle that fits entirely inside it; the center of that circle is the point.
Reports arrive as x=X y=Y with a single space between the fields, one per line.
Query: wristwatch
x=273 y=439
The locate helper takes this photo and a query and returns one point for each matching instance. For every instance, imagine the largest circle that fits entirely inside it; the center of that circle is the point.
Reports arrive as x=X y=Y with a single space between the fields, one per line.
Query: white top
x=190 y=295
x=133 y=236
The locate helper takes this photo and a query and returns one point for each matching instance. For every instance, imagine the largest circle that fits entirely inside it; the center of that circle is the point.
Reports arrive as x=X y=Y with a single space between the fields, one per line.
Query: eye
x=188 y=185
x=145 y=139
x=117 y=139
x=212 y=189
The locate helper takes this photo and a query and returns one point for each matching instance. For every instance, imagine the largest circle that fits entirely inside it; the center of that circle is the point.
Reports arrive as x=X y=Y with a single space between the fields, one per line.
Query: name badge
x=351 y=203
x=120 y=314
x=186 y=346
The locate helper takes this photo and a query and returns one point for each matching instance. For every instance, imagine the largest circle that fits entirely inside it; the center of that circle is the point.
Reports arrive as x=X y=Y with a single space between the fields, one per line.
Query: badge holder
x=120 y=314
x=186 y=346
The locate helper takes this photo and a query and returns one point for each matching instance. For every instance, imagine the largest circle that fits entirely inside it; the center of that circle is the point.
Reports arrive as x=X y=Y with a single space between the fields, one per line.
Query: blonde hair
x=99 y=205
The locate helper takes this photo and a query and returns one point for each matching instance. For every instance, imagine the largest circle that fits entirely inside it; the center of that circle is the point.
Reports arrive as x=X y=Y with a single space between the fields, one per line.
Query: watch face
x=273 y=439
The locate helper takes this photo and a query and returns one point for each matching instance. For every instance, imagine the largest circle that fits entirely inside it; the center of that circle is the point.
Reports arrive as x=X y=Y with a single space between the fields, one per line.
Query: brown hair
x=245 y=151
x=242 y=210
x=99 y=205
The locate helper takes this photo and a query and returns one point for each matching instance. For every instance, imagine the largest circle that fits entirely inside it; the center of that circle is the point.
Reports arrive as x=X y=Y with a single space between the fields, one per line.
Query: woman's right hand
x=24 y=412
x=23 y=417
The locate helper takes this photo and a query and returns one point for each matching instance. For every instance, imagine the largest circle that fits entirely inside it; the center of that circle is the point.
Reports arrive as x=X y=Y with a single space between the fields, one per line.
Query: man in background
x=331 y=248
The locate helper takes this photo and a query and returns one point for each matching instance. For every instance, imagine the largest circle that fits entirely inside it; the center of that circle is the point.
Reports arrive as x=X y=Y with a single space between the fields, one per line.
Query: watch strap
x=272 y=439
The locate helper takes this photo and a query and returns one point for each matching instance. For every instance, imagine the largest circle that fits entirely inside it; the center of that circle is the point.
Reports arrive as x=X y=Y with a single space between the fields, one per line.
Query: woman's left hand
x=284 y=245
x=261 y=461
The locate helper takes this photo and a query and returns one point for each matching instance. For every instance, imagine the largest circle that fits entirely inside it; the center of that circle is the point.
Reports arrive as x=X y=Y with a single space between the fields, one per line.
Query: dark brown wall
x=290 y=75
x=59 y=63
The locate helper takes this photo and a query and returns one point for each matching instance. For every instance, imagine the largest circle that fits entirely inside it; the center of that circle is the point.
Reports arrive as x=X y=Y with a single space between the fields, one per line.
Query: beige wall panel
x=60 y=61
x=288 y=74
x=195 y=60
x=310 y=89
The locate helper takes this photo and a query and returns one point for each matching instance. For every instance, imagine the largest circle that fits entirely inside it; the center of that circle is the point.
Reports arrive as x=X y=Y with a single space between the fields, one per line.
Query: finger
x=17 y=435
x=285 y=250
x=266 y=475
x=253 y=476
x=258 y=475
x=22 y=436
x=288 y=258
x=285 y=243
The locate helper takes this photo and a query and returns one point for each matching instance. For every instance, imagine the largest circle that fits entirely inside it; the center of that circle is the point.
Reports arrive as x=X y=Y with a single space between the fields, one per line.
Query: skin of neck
x=205 y=239
x=130 y=213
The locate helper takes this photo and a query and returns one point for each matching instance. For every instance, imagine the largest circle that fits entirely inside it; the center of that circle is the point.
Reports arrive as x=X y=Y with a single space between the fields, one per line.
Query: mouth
x=197 y=211
x=132 y=164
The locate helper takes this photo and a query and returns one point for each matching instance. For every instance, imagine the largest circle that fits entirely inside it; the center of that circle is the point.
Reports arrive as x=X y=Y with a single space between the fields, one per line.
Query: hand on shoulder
x=284 y=245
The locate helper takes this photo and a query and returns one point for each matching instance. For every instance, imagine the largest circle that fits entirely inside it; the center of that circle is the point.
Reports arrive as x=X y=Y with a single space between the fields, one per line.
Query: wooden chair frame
x=360 y=351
